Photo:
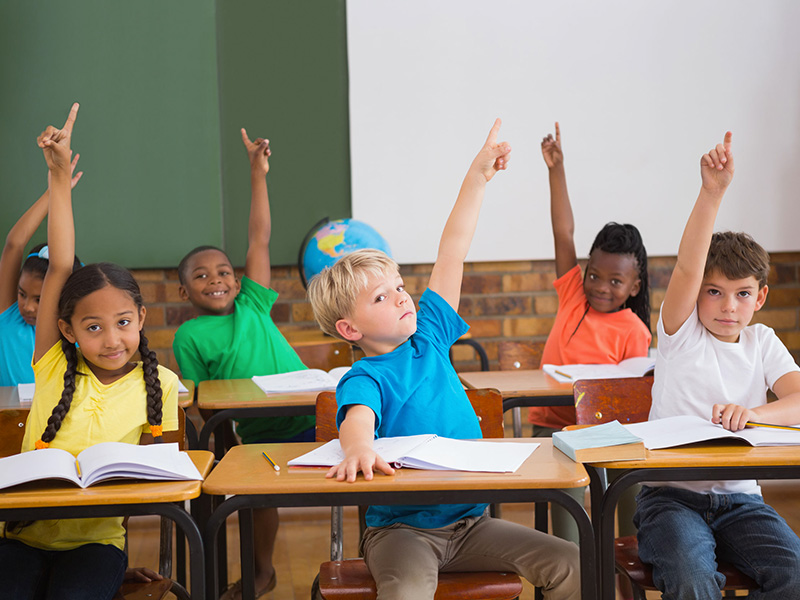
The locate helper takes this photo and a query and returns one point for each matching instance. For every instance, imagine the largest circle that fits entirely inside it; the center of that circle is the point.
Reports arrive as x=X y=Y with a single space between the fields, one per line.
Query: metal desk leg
x=516 y=421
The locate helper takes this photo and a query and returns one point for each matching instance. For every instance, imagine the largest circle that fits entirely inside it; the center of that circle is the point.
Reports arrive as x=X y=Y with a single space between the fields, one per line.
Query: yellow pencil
x=771 y=426
x=272 y=462
x=562 y=374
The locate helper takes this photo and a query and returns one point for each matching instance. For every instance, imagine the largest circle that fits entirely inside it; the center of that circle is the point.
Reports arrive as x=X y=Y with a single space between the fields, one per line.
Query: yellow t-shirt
x=99 y=413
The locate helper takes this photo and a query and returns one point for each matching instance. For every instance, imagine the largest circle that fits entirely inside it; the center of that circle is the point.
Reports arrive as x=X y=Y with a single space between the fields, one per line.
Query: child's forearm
x=259 y=225
x=563 y=221
x=23 y=230
x=460 y=227
x=784 y=411
x=357 y=431
x=60 y=225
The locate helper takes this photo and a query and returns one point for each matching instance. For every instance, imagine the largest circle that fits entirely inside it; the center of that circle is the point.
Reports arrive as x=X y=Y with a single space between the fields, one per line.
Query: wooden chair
x=628 y=400
x=325 y=355
x=519 y=355
x=350 y=579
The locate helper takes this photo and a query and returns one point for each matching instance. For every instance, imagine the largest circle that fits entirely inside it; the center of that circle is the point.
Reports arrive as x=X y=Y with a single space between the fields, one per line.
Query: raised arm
x=259 y=229
x=18 y=237
x=356 y=436
x=55 y=144
x=716 y=169
x=460 y=227
x=560 y=208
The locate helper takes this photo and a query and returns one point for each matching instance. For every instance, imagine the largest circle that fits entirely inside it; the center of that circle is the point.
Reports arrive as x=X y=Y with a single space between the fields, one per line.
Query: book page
x=152 y=461
x=391 y=449
x=677 y=431
x=26 y=391
x=307 y=380
x=48 y=463
x=469 y=455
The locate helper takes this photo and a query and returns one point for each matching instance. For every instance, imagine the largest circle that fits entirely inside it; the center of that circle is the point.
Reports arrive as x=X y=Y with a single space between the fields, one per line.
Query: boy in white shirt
x=712 y=364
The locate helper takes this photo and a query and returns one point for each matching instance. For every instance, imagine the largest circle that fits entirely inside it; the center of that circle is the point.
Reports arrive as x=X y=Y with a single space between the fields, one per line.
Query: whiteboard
x=641 y=90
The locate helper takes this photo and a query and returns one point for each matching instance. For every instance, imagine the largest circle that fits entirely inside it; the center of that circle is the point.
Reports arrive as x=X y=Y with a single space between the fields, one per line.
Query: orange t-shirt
x=601 y=338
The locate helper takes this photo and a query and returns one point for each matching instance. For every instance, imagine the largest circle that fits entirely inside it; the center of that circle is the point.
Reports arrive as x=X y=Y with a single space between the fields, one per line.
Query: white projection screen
x=641 y=90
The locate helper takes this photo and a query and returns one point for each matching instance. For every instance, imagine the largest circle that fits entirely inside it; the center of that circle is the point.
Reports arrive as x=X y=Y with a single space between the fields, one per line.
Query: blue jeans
x=89 y=572
x=682 y=534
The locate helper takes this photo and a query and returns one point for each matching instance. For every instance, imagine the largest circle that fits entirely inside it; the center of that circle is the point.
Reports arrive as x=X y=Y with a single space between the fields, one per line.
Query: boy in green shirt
x=234 y=337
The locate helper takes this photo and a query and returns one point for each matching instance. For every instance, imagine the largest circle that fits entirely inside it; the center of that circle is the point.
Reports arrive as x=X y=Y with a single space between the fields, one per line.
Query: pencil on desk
x=557 y=372
x=771 y=426
x=272 y=462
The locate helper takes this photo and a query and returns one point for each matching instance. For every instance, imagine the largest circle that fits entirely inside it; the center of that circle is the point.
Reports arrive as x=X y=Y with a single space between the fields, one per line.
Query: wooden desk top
x=308 y=337
x=241 y=393
x=55 y=493
x=244 y=471
x=517 y=384
x=9 y=397
x=711 y=454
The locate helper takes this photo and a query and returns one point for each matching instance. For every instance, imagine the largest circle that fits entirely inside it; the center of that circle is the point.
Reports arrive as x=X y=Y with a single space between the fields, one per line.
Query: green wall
x=164 y=87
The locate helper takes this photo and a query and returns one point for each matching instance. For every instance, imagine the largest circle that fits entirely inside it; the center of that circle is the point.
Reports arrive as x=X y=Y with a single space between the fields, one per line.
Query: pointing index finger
x=727 y=141
x=558 y=134
x=245 y=139
x=73 y=114
x=492 y=138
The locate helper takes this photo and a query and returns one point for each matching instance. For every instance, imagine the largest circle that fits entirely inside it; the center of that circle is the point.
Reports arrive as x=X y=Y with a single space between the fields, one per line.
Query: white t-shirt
x=695 y=370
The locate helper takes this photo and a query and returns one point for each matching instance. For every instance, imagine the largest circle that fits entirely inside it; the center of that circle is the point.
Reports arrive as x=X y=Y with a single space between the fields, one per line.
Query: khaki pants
x=405 y=561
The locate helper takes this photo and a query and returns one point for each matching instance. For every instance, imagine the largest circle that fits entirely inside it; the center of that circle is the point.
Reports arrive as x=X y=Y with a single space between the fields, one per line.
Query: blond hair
x=333 y=292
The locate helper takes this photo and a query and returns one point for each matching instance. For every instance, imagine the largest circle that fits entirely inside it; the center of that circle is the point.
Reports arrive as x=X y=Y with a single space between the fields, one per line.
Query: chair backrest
x=178 y=435
x=326 y=355
x=487 y=404
x=602 y=400
x=519 y=355
x=12 y=430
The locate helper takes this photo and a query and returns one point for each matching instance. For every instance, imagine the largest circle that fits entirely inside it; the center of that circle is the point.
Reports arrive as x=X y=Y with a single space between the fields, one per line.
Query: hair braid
x=153 y=386
x=62 y=408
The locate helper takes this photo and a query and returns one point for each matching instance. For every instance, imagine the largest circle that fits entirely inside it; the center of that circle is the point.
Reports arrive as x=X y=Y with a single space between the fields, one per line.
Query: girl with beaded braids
x=603 y=315
x=88 y=390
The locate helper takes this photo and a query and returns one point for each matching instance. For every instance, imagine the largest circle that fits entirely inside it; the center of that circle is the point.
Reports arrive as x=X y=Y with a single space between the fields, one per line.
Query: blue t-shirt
x=16 y=347
x=414 y=390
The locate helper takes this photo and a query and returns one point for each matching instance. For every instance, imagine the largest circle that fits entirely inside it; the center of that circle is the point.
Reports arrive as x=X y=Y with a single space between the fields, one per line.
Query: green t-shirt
x=238 y=346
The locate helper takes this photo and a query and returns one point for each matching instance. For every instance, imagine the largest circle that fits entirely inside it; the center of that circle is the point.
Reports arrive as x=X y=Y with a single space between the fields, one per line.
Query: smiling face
x=29 y=289
x=610 y=280
x=726 y=306
x=210 y=284
x=106 y=325
x=384 y=315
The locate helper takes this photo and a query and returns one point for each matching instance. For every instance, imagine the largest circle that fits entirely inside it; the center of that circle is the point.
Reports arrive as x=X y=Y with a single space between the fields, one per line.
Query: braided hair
x=616 y=238
x=80 y=284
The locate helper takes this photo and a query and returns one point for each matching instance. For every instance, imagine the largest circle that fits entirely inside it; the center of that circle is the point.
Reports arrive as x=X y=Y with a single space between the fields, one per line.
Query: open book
x=630 y=367
x=600 y=443
x=431 y=452
x=98 y=463
x=688 y=429
x=307 y=380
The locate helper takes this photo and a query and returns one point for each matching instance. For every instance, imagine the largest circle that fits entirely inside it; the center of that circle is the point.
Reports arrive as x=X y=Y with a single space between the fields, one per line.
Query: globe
x=328 y=242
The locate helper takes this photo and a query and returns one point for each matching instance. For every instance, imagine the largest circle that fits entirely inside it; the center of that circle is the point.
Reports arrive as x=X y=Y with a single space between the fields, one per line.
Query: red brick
x=480 y=284
x=497 y=305
x=667 y=262
x=782 y=273
x=302 y=313
x=152 y=293
x=528 y=282
x=415 y=284
x=422 y=269
x=791 y=339
x=780 y=319
x=161 y=338
x=545 y=305
x=280 y=312
x=155 y=316
x=289 y=289
x=531 y=327
x=480 y=328
x=172 y=292
x=149 y=275
x=171 y=275
x=177 y=315
x=502 y=267
x=657 y=298
x=783 y=297
x=784 y=257
x=659 y=276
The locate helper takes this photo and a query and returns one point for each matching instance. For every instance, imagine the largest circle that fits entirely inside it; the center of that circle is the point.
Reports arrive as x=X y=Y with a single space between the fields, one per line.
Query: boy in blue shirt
x=406 y=385
x=685 y=527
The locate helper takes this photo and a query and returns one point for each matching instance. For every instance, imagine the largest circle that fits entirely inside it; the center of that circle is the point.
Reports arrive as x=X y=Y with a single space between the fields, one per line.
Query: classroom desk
x=237 y=398
x=56 y=500
x=245 y=475
x=696 y=462
x=521 y=388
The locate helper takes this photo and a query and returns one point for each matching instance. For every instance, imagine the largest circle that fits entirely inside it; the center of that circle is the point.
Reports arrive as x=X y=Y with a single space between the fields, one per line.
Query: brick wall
x=500 y=300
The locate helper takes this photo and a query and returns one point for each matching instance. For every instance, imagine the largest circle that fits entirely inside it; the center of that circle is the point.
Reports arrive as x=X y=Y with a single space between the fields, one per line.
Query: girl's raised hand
x=493 y=157
x=716 y=166
x=55 y=143
x=258 y=152
x=75 y=178
x=551 y=149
